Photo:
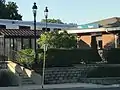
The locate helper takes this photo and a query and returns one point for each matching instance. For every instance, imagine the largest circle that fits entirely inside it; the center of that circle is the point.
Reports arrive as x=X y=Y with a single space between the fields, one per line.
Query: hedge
x=67 y=57
x=112 y=55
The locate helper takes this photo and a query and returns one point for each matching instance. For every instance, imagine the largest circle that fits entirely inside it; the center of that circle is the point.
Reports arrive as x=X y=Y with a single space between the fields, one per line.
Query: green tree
x=3 y=1
x=57 y=40
x=26 y=57
x=12 y=11
x=9 y=11
x=52 y=21
x=2 y=9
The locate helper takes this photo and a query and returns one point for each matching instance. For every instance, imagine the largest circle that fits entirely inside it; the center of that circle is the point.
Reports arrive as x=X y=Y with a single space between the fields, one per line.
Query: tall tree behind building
x=9 y=11
x=3 y=1
x=52 y=21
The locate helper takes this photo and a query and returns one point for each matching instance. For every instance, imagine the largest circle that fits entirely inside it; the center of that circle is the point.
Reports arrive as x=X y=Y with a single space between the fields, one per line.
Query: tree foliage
x=9 y=11
x=57 y=40
x=2 y=1
x=52 y=21
x=26 y=57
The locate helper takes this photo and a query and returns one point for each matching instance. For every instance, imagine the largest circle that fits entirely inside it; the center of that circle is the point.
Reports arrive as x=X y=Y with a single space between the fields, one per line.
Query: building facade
x=105 y=34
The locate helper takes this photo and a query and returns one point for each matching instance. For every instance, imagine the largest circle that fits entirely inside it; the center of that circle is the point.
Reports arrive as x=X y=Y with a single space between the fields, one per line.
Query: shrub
x=7 y=78
x=67 y=57
x=59 y=57
x=26 y=57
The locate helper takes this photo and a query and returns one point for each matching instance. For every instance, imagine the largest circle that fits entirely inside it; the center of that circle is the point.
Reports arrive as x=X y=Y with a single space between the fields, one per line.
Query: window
x=3 y=26
x=99 y=41
x=24 y=27
x=44 y=29
x=18 y=44
x=100 y=44
x=57 y=29
x=26 y=43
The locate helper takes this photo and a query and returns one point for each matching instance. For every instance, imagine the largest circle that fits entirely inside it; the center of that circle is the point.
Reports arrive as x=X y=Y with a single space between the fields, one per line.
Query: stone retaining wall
x=104 y=81
x=64 y=75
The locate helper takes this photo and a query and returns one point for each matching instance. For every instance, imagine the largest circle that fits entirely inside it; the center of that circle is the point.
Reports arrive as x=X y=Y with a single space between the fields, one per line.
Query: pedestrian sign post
x=45 y=49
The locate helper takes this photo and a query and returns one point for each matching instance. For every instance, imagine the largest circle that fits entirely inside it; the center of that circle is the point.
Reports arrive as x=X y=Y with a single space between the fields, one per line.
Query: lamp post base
x=42 y=86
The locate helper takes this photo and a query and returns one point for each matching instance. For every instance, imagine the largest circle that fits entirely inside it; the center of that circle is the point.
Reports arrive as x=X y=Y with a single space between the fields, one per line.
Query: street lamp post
x=46 y=16
x=34 y=13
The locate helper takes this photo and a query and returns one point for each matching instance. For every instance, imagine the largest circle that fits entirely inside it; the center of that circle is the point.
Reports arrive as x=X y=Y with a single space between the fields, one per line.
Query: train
x=19 y=24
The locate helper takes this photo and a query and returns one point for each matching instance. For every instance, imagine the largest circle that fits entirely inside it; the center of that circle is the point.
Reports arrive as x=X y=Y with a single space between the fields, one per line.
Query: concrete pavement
x=72 y=86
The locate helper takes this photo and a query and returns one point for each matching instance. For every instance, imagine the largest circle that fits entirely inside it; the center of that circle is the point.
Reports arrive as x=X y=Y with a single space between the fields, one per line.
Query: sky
x=70 y=11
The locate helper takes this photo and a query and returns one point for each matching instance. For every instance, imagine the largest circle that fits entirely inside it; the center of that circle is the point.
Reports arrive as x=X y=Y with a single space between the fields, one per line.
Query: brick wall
x=85 y=41
x=107 y=39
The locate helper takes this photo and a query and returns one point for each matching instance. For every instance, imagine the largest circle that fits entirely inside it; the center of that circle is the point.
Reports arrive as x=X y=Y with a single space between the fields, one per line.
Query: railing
x=17 y=73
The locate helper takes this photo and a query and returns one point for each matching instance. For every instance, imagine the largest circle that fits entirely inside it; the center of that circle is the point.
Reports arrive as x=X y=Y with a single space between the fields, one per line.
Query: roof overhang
x=73 y=31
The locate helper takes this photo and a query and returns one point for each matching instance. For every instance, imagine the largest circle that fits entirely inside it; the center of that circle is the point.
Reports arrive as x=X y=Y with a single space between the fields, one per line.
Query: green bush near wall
x=7 y=78
x=112 y=56
x=25 y=57
x=67 y=57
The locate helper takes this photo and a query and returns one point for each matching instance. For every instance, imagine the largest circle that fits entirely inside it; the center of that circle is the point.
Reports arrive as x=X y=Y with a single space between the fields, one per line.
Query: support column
x=30 y=45
x=13 y=44
x=4 y=46
x=78 y=39
x=10 y=51
x=21 y=43
x=116 y=37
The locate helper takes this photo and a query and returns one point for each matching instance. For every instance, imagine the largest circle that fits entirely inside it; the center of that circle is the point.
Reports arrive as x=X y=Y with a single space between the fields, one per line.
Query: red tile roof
x=20 y=32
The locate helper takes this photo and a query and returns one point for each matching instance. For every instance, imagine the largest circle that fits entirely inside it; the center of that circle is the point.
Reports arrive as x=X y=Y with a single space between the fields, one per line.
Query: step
x=27 y=83
x=25 y=80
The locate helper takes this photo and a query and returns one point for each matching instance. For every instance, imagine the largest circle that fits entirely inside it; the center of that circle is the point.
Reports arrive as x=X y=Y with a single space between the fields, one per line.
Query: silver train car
x=18 y=24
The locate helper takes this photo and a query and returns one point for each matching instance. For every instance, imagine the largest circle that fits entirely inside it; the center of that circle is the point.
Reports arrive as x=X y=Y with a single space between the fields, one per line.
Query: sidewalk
x=59 y=86
x=69 y=85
